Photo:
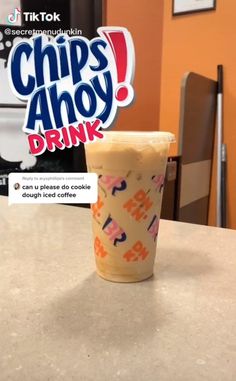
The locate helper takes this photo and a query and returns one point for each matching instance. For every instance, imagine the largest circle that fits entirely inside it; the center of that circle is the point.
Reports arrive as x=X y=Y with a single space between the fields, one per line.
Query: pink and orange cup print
x=131 y=170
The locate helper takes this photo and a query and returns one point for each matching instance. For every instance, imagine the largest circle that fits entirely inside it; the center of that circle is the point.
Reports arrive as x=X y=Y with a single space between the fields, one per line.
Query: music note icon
x=13 y=17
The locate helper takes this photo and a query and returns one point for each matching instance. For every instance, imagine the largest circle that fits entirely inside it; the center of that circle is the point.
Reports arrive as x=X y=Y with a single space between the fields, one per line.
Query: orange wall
x=144 y=20
x=199 y=42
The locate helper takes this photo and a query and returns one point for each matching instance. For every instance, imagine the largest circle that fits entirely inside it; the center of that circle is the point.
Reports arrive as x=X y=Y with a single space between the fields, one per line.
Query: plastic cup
x=131 y=170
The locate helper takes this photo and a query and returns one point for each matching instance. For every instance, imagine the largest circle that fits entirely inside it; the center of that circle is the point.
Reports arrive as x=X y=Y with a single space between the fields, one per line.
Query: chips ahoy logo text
x=72 y=86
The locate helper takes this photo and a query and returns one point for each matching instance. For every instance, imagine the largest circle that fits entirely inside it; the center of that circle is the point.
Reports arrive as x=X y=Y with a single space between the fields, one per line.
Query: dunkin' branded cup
x=131 y=170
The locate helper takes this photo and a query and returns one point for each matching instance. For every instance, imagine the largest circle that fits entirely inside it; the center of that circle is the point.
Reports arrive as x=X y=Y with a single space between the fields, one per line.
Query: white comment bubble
x=50 y=188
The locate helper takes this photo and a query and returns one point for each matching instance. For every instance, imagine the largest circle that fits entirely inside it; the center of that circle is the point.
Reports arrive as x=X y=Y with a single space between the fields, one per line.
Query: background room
x=167 y=46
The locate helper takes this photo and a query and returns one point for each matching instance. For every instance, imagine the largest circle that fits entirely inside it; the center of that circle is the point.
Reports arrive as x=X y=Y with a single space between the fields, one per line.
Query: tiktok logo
x=13 y=17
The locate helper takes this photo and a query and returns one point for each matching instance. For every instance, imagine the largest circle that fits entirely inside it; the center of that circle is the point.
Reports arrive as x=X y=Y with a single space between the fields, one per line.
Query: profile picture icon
x=16 y=186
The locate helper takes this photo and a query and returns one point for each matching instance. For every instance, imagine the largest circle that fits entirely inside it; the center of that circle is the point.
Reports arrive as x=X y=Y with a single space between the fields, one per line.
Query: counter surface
x=60 y=321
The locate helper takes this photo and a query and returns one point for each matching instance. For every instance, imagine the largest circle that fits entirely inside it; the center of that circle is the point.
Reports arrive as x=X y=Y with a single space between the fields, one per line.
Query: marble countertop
x=60 y=321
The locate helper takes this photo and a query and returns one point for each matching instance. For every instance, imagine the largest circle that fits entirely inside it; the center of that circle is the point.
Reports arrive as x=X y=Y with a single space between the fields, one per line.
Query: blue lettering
x=85 y=90
x=56 y=102
x=106 y=96
x=76 y=63
x=39 y=55
x=39 y=100
x=22 y=49
x=101 y=58
x=65 y=71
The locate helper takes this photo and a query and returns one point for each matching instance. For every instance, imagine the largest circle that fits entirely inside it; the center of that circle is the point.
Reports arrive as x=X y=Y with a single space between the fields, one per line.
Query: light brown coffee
x=131 y=168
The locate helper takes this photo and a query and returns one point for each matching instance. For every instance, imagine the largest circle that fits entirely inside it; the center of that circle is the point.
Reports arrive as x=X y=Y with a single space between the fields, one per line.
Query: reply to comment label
x=50 y=188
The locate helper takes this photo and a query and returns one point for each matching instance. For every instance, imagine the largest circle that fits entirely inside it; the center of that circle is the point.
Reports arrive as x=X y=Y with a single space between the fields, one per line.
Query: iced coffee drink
x=131 y=170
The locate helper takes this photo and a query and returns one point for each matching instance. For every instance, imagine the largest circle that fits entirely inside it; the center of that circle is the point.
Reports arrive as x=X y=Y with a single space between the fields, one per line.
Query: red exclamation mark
x=118 y=44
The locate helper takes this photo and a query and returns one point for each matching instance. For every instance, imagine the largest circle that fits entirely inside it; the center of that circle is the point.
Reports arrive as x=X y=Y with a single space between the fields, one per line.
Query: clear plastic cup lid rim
x=139 y=136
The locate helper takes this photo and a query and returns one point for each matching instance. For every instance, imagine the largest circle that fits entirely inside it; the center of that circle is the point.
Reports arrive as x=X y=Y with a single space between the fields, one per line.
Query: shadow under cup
x=131 y=169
